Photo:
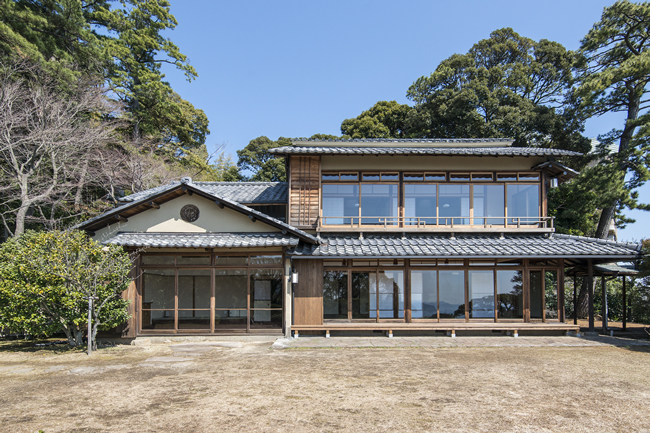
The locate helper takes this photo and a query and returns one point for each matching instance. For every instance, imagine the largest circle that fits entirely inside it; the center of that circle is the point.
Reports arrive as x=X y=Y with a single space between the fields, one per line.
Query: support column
x=604 y=311
x=526 y=281
x=575 y=300
x=590 y=288
x=560 y=292
x=624 y=305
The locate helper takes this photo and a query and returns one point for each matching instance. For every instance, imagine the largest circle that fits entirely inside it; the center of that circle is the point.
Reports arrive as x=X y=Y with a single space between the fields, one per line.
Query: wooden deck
x=449 y=327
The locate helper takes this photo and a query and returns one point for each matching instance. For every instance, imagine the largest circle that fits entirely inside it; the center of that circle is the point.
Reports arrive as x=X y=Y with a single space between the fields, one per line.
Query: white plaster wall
x=167 y=219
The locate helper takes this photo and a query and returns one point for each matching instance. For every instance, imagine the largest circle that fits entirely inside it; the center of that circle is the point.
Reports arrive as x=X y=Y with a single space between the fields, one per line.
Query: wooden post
x=575 y=300
x=560 y=292
x=590 y=288
x=603 y=289
x=624 y=305
x=526 y=283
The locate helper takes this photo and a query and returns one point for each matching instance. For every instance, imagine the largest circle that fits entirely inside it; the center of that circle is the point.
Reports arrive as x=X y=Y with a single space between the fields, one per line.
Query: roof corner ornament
x=501 y=236
x=186 y=180
x=452 y=236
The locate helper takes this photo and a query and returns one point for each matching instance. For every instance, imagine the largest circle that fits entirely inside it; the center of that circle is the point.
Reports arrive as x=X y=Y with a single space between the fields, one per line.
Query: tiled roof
x=406 y=140
x=241 y=192
x=465 y=246
x=252 y=213
x=444 y=151
x=202 y=240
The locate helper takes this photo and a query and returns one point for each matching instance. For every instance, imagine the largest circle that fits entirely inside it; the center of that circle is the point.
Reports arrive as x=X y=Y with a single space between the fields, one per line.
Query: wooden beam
x=590 y=292
x=121 y=218
x=153 y=205
x=218 y=203
x=252 y=218
x=90 y=233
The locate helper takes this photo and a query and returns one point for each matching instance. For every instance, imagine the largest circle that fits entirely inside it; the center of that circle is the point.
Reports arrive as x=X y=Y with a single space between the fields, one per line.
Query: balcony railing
x=433 y=223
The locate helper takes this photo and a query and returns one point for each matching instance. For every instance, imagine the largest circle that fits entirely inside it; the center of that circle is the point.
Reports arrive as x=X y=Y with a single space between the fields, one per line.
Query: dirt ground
x=251 y=387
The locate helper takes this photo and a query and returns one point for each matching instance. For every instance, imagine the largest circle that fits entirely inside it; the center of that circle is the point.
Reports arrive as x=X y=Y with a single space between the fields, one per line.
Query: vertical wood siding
x=308 y=293
x=304 y=191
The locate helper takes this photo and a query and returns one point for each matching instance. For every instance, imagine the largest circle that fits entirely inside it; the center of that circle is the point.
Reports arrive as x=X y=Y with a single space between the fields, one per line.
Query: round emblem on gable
x=190 y=213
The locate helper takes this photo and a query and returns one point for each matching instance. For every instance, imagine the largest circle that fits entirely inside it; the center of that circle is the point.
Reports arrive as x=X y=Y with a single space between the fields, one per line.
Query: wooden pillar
x=624 y=305
x=575 y=300
x=603 y=289
x=526 y=282
x=560 y=292
x=407 y=290
x=590 y=288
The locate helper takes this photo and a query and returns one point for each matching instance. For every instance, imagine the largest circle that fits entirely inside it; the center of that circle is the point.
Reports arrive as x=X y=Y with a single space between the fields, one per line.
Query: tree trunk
x=80 y=185
x=20 y=219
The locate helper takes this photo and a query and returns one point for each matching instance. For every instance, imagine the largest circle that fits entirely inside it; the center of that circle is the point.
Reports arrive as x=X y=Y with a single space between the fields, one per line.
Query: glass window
x=231 y=261
x=447 y=262
x=158 y=319
x=366 y=263
x=194 y=289
x=340 y=204
x=452 y=294
x=431 y=262
x=481 y=294
x=424 y=294
x=148 y=259
x=523 y=203
x=230 y=319
x=391 y=262
x=349 y=176
x=459 y=177
x=454 y=203
x=230 y=288
x=489 y=202
x=391 y=294
x=193 y=260
x=266 y=260
x=510 y=297
x=536 y=294
x=481 y=262
x=529 y=177
x=266 y=288
x=550 y=295
x=507 y=177
x=330 y=176
x=158 y=289
x=420 y=206
x=438 y=177
x=194 y=319
x=335 y=295
x=330 y=263
x=361 y=294
x=379 y=204
x=482 y=177
x=410 y=177
x=266 y=319
x=389 y=176
x=371 y=176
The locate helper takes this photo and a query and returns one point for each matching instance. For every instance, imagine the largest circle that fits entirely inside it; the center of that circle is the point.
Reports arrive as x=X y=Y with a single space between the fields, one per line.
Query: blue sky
x=293 y=69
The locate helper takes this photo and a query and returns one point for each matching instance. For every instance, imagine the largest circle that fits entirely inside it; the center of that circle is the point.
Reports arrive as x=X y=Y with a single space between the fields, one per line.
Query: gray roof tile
x=444 y=151
x=465 y=246
x=202 y=240
x=240 y=192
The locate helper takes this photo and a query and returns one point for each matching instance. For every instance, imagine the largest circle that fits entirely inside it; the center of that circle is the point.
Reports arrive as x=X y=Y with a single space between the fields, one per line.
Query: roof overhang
x=557 y=170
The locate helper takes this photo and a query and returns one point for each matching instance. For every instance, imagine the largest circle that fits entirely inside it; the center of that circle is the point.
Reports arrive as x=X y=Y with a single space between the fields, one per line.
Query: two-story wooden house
x=387 y=235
